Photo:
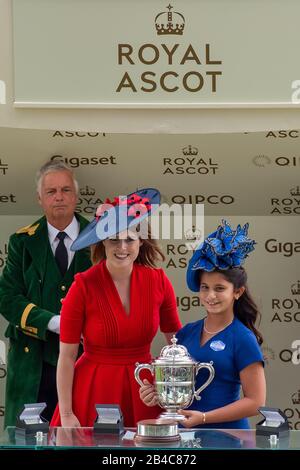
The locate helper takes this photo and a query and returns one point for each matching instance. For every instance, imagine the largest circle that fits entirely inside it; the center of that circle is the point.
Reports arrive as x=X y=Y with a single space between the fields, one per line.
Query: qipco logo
x=291 y=355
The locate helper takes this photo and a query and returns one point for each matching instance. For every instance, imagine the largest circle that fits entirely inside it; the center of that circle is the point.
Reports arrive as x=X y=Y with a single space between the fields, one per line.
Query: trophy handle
x=204 y=365
x=138 y=368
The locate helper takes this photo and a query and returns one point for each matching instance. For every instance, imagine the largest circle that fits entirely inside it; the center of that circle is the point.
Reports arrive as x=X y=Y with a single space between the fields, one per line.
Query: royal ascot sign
x=136 y=53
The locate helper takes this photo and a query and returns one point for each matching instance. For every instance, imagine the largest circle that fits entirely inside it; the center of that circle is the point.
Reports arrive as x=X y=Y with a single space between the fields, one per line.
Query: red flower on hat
x=137 y=205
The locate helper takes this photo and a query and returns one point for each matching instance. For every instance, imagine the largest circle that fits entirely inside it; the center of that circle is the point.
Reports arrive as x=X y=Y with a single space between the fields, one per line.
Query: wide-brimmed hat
x=223 y=249
x=113 y=217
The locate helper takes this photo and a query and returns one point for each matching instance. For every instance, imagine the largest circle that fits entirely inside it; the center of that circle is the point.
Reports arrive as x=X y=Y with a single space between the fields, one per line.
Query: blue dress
x=230 y=351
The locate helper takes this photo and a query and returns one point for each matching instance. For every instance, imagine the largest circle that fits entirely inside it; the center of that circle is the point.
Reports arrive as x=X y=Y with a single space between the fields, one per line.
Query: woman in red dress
x=117 y=307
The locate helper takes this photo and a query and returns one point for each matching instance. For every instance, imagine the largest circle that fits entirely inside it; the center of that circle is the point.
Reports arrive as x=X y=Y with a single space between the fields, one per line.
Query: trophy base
x=171 y=415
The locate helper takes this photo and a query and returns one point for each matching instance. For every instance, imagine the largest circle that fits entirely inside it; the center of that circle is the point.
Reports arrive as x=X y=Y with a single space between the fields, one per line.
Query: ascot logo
x=293 y=134
x=88 y=201
x=176 y=256
x=189 y=164
x=287 y=309
x=3 y=167
x=76 y=134
x=173 y=60
x=293 y=412
x=288 y=205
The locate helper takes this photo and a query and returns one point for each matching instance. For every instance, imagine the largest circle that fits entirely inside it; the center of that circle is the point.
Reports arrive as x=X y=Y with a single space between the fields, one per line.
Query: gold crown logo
x=87 y=191
x=193 y=234
x=296 y=398
x=295 y=288
x=189 y=150
x=169 y=22
x=295 y=191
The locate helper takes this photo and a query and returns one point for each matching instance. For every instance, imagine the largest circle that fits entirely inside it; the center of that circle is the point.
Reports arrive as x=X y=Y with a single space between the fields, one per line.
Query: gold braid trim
x=26 y=312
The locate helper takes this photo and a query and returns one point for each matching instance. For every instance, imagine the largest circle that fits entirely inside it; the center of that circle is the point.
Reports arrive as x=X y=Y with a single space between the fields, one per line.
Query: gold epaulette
x=30 y=229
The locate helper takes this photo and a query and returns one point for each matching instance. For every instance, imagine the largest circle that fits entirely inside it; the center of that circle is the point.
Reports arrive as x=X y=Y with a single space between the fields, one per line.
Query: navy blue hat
x=113 y=217
x=223 y=249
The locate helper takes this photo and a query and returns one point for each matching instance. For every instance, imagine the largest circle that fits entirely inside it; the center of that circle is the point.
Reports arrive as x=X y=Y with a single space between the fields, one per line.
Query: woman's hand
x=148 y=394
x=70 y=421
x=192 y=418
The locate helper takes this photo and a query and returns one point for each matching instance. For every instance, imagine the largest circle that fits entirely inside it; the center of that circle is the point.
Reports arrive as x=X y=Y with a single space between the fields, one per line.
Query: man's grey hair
x=50 y=167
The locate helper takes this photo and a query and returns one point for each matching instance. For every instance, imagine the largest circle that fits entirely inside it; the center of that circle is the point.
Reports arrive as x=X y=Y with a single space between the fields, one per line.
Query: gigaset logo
x=185 y=303
x=170 y=56
x=4 y=198
x=75 y=162
x=272 y=245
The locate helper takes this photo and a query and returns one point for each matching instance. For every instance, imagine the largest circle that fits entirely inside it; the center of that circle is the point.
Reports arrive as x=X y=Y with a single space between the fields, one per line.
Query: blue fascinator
x=122 y=213
x=223 y=249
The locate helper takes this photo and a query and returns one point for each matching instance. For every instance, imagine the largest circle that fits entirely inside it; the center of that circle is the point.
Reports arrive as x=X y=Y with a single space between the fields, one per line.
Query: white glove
x=54 y=324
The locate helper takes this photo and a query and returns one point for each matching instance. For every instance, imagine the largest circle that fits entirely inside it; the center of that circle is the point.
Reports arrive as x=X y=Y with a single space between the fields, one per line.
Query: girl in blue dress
x=226 y=336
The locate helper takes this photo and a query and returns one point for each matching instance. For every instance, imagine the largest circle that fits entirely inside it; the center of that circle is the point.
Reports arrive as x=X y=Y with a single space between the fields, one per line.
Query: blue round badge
x=217 y=345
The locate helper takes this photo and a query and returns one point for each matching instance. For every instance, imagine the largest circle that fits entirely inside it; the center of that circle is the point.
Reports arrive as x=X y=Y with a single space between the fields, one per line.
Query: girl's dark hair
x=149 y=255
x=244 y=308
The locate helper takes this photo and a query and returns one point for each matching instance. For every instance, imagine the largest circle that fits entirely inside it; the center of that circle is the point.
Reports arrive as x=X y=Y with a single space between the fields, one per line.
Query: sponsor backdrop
x=243 y=177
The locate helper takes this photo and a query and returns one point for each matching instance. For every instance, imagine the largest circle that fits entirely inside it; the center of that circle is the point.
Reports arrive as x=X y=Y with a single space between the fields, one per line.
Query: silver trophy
x=174 y=374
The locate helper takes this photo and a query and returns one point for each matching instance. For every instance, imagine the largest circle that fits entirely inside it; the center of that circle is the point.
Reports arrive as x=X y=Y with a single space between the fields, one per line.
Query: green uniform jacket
x=31 y=289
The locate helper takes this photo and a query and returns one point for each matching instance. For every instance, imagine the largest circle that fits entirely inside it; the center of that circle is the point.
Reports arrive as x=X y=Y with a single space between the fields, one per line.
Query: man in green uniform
x=39 y=270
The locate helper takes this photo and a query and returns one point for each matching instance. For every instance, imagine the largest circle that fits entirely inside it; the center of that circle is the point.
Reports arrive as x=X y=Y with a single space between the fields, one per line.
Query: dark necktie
x=61 y=253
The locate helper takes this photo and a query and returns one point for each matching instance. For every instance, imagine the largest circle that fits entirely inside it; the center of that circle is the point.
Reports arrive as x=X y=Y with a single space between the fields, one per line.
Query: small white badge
x=217 y=345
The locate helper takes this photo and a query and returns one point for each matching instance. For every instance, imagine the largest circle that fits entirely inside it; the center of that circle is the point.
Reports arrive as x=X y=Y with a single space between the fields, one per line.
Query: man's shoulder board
x=29 y=229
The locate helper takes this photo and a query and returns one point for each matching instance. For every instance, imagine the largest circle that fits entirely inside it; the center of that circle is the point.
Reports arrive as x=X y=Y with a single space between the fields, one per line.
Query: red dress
x=114 y=340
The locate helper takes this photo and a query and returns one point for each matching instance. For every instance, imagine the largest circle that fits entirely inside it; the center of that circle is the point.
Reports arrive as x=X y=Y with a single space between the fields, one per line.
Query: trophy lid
x=175 y=353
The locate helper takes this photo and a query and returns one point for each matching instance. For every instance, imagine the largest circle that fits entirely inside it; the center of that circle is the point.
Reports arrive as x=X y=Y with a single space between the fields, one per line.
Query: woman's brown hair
x=245 y=308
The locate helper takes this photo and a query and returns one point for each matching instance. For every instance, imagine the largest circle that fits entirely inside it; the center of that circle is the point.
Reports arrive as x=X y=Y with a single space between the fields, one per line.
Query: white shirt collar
x=72 y=230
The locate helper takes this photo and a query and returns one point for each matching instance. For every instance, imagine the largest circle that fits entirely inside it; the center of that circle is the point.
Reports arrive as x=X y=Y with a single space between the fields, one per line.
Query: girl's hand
x=148 y=394
x=192 y=418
